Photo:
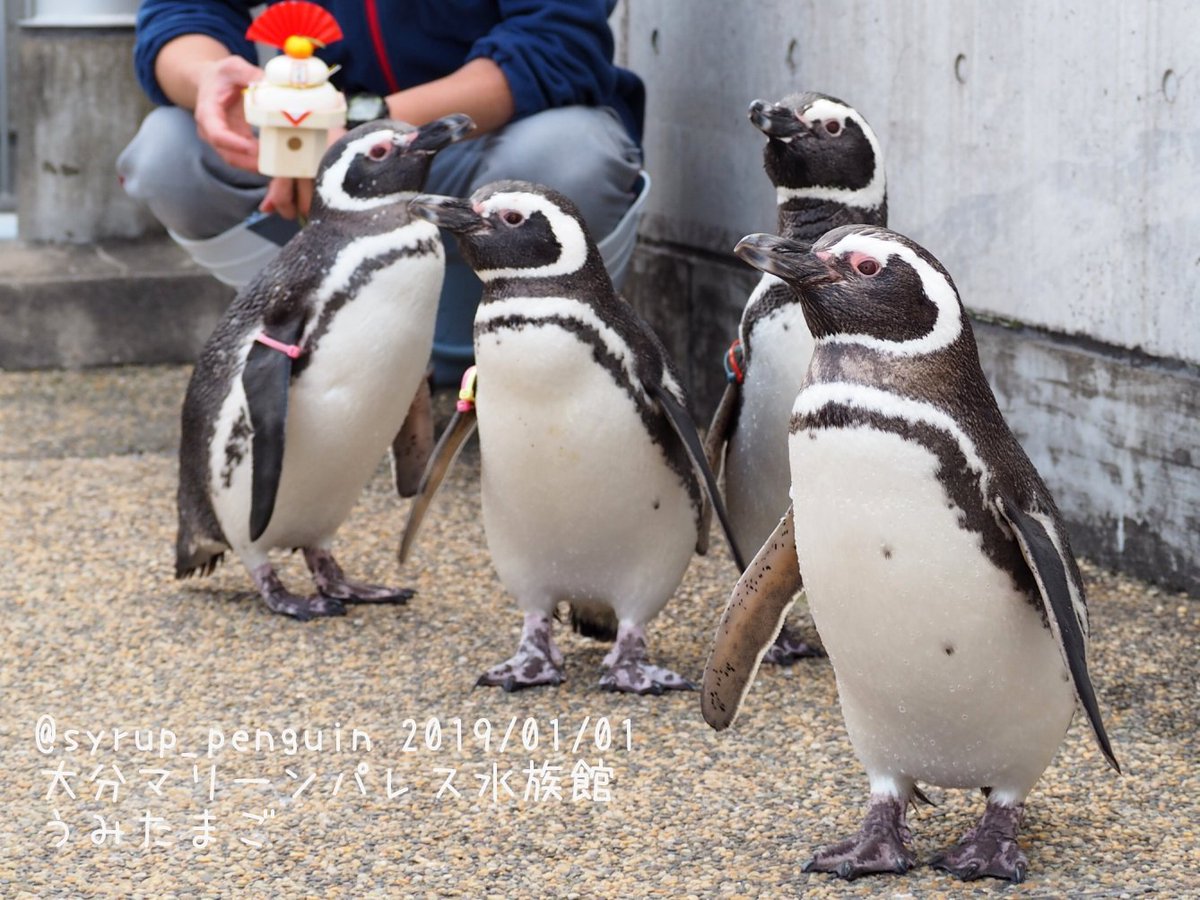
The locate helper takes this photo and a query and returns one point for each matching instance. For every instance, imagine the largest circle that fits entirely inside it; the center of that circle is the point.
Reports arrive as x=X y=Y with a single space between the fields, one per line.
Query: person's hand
x=289 y=197
x=220 y=115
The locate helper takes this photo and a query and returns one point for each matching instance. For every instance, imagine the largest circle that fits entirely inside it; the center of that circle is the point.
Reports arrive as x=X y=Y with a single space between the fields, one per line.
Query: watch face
x=365 y=108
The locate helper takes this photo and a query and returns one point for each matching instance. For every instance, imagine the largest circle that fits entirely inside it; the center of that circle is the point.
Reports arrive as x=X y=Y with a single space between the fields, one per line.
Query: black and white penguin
x=589 y=459
x=827 y=168
x=936 y=564
x=315 y=369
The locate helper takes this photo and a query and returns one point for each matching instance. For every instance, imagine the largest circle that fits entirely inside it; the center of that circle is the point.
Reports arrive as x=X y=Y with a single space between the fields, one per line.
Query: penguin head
x=515 y=230
x=861 y=284
x=819 y=147
x=381 y=162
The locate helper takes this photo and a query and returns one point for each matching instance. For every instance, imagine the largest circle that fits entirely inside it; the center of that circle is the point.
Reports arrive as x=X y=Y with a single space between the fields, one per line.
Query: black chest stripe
x=962 y=484
x=652 y=417
x=365 y=271
x=777 y=296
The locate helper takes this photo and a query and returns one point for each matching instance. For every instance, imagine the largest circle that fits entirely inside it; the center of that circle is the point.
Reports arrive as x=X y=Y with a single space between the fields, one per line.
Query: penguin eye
x=380 y=151
x=512 y=217
x=833 y=126
x=867 y=267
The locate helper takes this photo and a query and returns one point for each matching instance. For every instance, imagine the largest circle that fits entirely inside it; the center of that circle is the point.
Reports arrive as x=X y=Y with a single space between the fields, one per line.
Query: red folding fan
x=295 y=18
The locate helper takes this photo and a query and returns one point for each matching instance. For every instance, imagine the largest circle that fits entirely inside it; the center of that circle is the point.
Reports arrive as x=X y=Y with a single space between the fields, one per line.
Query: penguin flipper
x=715 y=441
x=461 y=426
x=683 y=426
x=413 y=444
x=756 y=612
x=721 y=427
x=1060 y=592
x=266 y=379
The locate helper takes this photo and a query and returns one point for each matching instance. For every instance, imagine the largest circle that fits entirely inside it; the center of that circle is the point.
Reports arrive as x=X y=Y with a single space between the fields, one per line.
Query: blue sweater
x=553 y=52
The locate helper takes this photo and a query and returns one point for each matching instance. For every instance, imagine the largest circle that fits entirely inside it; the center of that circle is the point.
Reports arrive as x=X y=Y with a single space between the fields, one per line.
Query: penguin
x=936 y=564
x=589 y=460
x=827 y=168
x=315 y=371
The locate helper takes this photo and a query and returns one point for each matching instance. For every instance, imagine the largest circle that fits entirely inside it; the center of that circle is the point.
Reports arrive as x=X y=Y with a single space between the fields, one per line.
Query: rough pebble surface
x=97 y=635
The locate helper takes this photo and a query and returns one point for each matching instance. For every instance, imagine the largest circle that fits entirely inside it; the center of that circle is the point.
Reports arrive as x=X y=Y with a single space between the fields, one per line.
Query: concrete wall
x=78 y=106
x=1047 y=152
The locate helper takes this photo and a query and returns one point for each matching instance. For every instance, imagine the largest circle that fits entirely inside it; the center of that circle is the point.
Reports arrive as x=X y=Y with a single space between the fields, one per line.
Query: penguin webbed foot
x=536 y=662
x=641 y=677
x=881 y=845
x=789 y=647
x=305 y=608
x=628 y=671
x=989 y=850
x=333 y=584
x=357 y=592
x=279 y=599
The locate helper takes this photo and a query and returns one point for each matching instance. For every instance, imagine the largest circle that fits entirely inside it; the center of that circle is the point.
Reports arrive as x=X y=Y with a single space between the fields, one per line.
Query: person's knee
x=183 y=181
x=165 y=146
x=582 y=152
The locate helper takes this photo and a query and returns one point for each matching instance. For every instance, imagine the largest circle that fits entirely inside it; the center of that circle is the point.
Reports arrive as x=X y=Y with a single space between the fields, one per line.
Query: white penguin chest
x=351 y=398
x=945 y=671
x=578 y=501
x=757 y=469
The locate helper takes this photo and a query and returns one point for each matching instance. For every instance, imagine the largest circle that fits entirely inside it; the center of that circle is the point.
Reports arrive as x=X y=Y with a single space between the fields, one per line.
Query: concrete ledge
x=1115 y=434
x=694 y=302
x=117 y=302
x=1117 y=438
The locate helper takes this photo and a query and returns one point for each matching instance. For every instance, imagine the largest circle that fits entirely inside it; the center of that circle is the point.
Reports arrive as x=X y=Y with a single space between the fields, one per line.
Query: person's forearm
x=179 y=63
x=478 y=89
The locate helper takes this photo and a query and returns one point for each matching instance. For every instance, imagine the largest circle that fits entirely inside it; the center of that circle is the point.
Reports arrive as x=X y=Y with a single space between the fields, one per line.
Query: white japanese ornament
x=295 y=105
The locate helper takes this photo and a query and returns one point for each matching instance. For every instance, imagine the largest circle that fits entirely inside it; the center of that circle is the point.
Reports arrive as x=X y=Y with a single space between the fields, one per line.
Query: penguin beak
x=794 y=263
x=441 y=132
x=777 y=121
x=452 y=213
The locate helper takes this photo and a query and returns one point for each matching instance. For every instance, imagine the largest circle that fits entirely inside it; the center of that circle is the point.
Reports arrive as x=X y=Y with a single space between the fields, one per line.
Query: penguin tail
x=196 y=562
x=593 y=622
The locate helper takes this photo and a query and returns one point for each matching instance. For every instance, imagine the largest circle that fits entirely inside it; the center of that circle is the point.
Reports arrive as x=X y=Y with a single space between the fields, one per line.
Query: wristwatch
x=365 y=108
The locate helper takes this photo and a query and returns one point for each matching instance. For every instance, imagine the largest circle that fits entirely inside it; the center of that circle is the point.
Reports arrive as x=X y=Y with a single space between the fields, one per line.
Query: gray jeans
x=580 y=151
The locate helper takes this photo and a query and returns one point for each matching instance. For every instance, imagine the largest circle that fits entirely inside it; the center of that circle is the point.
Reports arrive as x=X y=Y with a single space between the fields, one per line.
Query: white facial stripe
x=356 y=253
x=870 y=399
x=567 y=231
x=869 y=197
x=948 y=324
x=822 y=109
x=550 y=307
x=330 y=187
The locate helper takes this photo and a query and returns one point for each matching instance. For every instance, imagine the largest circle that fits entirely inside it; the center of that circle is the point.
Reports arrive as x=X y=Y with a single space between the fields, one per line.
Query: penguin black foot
x=789 y=647
x=334 y=585
x=537 y=660
x=279 y=599
x=628 y=671
x=881 y=845
x=989 y=850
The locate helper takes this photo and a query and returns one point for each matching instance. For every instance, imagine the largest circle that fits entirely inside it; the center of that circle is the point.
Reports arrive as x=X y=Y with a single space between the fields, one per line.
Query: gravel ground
x=636 y=797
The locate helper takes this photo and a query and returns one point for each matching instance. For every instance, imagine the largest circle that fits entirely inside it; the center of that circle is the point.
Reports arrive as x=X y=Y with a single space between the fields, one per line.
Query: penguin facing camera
x=827 y=168
x=315 y=370
x=590 y=462
x=936 y=564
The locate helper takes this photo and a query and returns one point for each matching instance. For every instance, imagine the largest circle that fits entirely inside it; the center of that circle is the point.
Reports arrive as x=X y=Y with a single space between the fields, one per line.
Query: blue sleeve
x=553 y=52
x=161 y=21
